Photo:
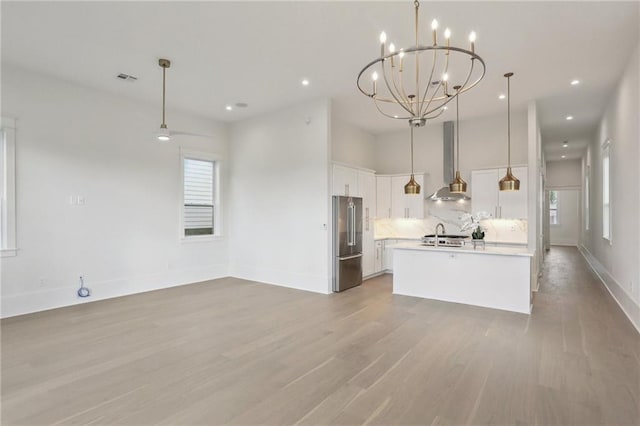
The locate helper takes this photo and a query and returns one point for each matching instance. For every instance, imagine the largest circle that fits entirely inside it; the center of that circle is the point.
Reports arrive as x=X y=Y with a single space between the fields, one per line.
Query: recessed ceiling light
x=575 y=82
x=502 y=96
x=565 y=144
x=228 y=107
x=564 y=156
x=305 y=82
x=445 y=108
x=569 y=117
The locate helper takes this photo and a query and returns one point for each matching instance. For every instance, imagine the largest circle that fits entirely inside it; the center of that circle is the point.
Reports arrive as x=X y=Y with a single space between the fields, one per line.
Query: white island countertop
x=488 y=250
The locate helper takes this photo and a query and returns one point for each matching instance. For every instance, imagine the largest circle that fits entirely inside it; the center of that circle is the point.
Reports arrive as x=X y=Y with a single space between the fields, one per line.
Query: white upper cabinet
x=486 y=195
x=392 y=202
x=383 y=197
x=345 y=181
x=513 y=204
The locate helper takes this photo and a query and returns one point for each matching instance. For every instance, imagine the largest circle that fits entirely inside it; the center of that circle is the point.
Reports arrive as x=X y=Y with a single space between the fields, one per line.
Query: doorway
x=564 y=216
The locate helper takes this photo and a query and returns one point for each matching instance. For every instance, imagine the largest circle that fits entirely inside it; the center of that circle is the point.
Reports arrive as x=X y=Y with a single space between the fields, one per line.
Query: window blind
x=198 y=197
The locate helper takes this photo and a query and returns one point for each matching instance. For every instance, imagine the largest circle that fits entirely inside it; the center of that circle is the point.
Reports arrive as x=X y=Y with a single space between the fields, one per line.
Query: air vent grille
x=127 y=77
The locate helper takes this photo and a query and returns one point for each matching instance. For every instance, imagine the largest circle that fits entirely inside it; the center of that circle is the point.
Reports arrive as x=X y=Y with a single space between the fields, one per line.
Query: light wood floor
x=237 y=352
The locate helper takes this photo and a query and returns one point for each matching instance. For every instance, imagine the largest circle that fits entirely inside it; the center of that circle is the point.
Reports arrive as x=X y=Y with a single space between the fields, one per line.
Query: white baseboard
x=630 y=308
x=47 y=299
x=281 y=278
x=565 y=243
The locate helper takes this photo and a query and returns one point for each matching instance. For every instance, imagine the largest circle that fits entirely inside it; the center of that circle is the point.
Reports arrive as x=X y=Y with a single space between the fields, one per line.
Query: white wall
x=566 y=232
x=351 y=145
x=618 y=261
x=280 y=199
x=73 y=140
x=562 y=174
x=483 y=144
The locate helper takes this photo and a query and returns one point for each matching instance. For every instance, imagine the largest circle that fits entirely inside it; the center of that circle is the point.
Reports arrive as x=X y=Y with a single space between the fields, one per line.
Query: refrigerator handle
x=351 y=225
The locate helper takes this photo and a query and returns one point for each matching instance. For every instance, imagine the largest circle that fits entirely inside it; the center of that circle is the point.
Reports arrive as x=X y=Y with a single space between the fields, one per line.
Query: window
x=200 y=204
x=553 y=208
x=586 y=197
x=606 y=190
x=8 y=187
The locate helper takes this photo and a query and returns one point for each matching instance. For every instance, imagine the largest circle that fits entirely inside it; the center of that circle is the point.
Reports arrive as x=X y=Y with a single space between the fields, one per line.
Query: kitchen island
x=494 y=277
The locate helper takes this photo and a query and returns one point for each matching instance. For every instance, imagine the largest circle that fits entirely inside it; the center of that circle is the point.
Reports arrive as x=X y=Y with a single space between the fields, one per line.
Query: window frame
x=587 y=197
x=557 y=209
x=8 y=240
x=217 y=196
x=606 y=182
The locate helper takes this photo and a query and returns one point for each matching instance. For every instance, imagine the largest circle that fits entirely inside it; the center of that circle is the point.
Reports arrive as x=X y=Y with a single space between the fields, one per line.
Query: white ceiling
x=258 y=52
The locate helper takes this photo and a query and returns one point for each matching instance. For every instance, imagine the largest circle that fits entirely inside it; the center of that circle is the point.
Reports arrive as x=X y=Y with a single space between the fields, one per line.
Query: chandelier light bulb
x=434 y=24
x=401 y=54
x=445 y=77
x=472 y=39
x=374 y=76
x=383 y=37
x=392 y=48
x=447 y=34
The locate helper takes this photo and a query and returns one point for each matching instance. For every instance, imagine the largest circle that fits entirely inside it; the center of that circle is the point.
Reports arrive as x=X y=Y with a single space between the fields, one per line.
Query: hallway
x=232 y=351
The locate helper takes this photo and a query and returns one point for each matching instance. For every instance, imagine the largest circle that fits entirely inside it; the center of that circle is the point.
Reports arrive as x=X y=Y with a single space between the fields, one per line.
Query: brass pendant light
x=163 y=134
x=458 y=185
x=509 y=182
x=412 y=187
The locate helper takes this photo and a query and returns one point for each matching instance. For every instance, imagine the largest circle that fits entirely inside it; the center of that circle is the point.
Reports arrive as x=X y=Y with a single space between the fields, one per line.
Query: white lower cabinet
x=387 y=255
x=379 y=247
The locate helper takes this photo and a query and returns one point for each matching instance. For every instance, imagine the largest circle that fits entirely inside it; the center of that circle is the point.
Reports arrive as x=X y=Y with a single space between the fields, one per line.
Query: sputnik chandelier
x=414 y=83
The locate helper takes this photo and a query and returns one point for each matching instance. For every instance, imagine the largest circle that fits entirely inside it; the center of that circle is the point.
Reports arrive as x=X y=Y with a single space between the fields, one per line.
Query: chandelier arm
x=375 y=102
x=400 y=90
x=440 y=112
x=398 y=101
x=426 y=91
x=460 y=90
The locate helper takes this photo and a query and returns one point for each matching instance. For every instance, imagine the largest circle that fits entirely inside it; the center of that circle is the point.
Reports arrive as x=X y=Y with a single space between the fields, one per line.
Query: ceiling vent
x=127 y=77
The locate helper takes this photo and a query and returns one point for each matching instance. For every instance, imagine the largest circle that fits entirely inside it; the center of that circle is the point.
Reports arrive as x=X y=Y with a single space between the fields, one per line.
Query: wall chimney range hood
x=444 y=194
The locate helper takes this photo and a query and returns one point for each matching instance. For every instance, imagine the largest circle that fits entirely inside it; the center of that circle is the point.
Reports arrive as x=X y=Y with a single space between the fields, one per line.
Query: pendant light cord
x=457 y=132
x=411 y=150
x=164 y=71
x=509 y=121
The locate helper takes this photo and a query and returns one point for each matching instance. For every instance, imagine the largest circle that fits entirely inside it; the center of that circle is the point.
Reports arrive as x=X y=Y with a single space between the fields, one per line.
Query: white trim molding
x=8 y=245
x=630 y=308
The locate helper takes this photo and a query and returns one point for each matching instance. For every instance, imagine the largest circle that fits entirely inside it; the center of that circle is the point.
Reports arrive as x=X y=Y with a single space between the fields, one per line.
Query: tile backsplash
x=513 y=231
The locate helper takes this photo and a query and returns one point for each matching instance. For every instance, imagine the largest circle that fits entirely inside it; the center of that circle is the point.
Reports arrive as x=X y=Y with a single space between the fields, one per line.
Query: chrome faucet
x=443 y=232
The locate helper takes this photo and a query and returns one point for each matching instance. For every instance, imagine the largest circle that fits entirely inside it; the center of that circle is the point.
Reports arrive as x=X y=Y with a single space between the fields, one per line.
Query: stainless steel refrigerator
x=347 y=242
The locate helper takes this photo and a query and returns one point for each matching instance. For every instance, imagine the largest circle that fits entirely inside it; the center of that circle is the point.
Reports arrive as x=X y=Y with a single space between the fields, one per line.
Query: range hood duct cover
x=444 y=194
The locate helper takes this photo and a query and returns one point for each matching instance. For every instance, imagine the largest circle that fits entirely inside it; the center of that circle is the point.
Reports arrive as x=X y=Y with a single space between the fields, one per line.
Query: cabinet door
x=367 y=190
x=415 y=203
x=368 y=255
x=513 y=204
x=379 y=247
x=398 y=198
x=387 y=257
x=383 y=197
x=404 y=205
x=484 y=191
x=345 y=181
